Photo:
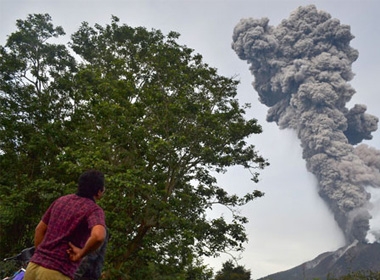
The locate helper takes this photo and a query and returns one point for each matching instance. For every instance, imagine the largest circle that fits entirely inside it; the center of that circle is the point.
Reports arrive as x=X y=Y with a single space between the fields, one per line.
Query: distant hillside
x=355 y=257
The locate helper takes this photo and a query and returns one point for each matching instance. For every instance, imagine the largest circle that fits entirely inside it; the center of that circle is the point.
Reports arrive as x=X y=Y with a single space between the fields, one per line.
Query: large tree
x=145 y=110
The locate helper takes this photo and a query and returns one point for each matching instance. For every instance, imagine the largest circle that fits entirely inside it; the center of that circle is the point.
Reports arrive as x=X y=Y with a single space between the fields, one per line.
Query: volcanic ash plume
x=301 y=70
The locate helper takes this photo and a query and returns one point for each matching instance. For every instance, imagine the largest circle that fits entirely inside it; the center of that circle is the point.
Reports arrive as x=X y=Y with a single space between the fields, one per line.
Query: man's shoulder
x=73 y=200
x=67 y=197
x=83 y=203
x=76 y=198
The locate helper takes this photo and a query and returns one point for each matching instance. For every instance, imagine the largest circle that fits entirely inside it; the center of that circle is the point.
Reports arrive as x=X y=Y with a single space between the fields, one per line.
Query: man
x=72 y=227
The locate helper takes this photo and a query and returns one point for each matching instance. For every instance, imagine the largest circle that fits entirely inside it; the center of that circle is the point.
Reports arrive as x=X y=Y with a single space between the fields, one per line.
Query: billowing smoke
x=302 y=70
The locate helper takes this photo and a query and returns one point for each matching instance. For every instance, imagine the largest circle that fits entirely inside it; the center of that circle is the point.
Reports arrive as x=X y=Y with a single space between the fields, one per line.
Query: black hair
x=90 y=183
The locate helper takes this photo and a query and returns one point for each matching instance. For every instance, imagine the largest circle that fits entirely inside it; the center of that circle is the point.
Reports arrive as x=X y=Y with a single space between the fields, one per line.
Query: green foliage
x=146 y=111
x=30 y=124
x=231 y=272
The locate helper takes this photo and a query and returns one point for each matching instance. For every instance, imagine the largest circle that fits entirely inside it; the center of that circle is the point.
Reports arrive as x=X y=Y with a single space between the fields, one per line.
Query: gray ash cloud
x=302 y=69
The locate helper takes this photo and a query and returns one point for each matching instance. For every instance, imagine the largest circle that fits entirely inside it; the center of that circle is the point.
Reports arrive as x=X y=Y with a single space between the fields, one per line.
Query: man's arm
x=98 y=234
x=39 y=233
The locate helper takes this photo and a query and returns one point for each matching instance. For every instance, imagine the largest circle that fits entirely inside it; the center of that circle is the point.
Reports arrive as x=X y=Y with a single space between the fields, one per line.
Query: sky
x=291 y=224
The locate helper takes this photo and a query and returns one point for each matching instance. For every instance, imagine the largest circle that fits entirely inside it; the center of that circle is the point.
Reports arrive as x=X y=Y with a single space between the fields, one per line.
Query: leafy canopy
x=149 y=113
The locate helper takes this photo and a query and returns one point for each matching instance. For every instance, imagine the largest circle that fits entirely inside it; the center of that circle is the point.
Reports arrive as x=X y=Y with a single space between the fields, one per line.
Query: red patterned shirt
x=69 y=219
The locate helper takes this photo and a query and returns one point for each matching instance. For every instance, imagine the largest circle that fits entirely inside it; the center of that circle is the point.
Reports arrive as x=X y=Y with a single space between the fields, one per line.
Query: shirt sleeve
x=46 y=216
x=96 y=217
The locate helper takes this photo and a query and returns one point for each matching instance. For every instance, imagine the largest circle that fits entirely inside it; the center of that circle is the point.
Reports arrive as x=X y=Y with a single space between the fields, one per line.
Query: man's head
x=91 y=184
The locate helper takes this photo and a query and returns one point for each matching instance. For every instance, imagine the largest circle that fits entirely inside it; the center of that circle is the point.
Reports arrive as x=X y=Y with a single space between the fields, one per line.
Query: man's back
x=69 y=219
